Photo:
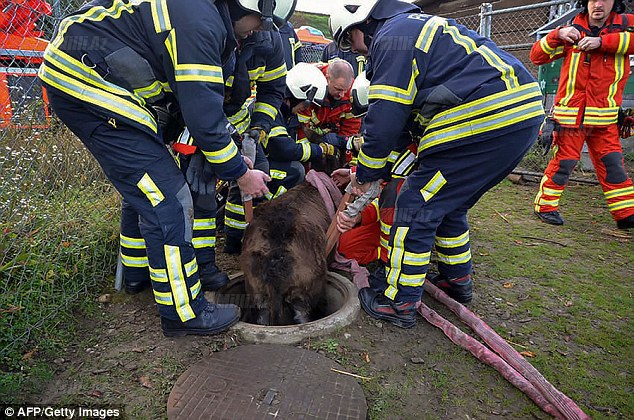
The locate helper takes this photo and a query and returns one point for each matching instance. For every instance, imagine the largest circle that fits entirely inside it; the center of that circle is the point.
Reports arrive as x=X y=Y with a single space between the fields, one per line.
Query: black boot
x=233 y=244
x=550 y=217
x=459 y=289
x=212 y=278
x=627 y=223
x=133 y=287
x=377 y=305
x=213 y=319
x=378 y=280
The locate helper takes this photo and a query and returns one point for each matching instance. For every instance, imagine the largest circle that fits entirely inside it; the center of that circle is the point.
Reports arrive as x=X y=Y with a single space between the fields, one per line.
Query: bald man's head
x=340 y=75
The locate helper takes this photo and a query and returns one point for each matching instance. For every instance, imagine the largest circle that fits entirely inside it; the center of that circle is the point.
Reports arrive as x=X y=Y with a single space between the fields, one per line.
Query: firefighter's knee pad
x=563 y=173
x=184 y=197
x=614 y=171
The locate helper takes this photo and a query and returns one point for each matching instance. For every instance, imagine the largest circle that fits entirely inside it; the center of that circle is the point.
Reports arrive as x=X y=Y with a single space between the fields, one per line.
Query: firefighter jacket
x=591 y=83
x=257 y=65
x=282 y=147
x=123 y=55
x=444 y=83
x=292 y=45
x=358 y=61
x=334 y=116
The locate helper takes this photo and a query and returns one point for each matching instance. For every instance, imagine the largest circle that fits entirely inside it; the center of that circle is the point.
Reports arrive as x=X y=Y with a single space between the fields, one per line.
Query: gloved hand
x=170 y=120
x=257 y=133
x=249 y=148
x=354 y=143
x=327 y=149
x=200 y=174
x=545 y=136
x=336 y=140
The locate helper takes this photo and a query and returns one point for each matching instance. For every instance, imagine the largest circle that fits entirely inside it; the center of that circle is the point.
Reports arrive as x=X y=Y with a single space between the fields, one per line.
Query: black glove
x=335 y=139
x=200 y=174
x=545 y=137
x=258 y=134
x=170 y=120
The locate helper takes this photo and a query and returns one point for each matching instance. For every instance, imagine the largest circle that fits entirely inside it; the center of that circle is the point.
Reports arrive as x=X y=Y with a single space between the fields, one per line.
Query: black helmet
x=619 y=6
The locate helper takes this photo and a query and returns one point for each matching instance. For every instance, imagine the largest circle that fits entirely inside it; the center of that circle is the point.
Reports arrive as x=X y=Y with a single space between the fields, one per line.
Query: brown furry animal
x=284 y=258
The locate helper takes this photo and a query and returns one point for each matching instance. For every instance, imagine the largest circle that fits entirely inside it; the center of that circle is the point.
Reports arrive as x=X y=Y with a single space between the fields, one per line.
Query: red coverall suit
x=586 y=107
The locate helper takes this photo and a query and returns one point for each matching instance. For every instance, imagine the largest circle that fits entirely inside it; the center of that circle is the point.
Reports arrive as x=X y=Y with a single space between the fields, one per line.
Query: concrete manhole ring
x=342 y=299
x=266 y=381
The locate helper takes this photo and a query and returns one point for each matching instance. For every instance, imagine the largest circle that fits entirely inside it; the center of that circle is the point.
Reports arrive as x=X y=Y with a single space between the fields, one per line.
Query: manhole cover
x=266 y=382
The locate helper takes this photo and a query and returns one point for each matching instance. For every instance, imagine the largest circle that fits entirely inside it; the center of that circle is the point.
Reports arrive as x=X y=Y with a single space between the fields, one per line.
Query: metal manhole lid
x=266 y=381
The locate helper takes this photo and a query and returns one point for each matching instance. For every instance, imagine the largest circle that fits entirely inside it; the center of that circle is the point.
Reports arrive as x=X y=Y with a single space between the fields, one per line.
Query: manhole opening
x=235 y=293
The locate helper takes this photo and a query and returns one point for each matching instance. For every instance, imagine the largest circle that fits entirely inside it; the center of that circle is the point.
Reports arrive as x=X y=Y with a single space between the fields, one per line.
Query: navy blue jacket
x=121 y=56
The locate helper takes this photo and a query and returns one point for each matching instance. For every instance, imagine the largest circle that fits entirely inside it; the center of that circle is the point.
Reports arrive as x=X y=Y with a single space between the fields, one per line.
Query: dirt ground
x=121 y=358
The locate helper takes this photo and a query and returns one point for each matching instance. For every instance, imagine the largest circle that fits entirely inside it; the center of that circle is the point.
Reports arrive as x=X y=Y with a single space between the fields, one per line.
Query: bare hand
x=345 y=223
x=569 y=34
x=253 y=183
x=589 y=43
x=247 y=161
x=341 y=177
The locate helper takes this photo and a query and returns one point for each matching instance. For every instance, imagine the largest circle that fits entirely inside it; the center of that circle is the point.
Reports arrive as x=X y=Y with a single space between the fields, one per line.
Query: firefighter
x=595 y=49
x=476 y=111
x=331 y=122
x=103 y=92
x=259 y=66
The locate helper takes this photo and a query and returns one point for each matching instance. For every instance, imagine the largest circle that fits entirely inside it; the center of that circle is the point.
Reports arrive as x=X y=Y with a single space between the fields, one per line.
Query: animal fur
x=284 y=258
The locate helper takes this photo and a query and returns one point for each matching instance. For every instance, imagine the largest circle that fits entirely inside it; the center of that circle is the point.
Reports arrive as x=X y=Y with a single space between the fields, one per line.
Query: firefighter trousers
x=140 y=167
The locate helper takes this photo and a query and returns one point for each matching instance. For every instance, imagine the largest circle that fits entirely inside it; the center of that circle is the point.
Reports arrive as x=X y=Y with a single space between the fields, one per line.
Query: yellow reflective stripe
x=384 y=242
x=412 y=280
x=370 y=162
x=305 y=149
x=137 y=262
x=203 y=224
x=433 y=186
x=204 y=242
x=417 y=259
x=96 y=14
x=303 y=118
x=236 y=224
x=278 y=131
x=163 y=298
x=150 y=91
x=396 y=94
x=256 y=73
x=191 y=72
x=486 y=105
x=552 y=192
x=461 y=258
x=274 y=74
x=129 y=242
x=393 y=156
x=619 y=192
x=426 y=35
x=98 y=97
x=191 y=267
x=160 y=16
x=223 y=155
x=543 y=202
x=624 y=43
x=177 y=283
x=195 y=289
x=281 y=190
x=396 y=258
x=265 y=108
x=234 y=208
x=551 y=51
x=385 y=227
x=158 y=275
x=572 y=78
x=452 y=242
x=508 y=72
x=619 y=71
x=482 y=125
x=151 y=191
x=620 y=205
x=277 y=174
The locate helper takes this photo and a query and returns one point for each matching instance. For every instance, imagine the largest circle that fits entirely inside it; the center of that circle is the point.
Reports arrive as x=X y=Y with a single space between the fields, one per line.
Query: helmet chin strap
x=267 y=15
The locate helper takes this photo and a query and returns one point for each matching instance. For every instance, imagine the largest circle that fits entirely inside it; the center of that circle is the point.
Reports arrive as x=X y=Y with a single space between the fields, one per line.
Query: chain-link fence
x=58 y=213
x=311 y=53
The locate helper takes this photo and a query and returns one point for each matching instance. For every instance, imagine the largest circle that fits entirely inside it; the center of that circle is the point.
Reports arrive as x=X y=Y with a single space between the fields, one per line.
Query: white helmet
x=307 y=82
x=359 y=94
x=346 y=14
x=271 y=10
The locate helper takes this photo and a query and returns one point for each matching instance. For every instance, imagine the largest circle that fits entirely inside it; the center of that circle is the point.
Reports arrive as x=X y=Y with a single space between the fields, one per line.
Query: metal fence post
x=485 y=19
